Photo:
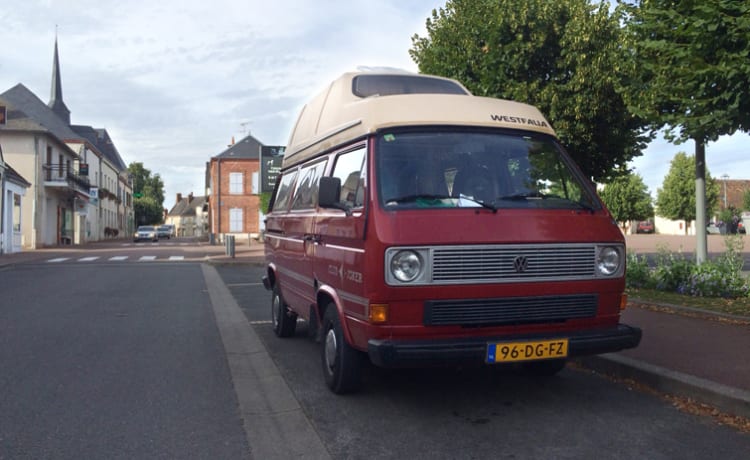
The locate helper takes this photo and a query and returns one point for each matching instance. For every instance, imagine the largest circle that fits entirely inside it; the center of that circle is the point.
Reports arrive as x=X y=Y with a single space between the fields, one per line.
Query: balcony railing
x=61 y=176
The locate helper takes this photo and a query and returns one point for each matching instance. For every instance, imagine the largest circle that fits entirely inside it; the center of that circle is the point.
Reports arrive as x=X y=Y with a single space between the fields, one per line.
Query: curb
x=728 y=399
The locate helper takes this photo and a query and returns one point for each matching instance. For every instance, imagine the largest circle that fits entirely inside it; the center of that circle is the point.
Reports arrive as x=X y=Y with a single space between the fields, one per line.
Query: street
x=124 y=359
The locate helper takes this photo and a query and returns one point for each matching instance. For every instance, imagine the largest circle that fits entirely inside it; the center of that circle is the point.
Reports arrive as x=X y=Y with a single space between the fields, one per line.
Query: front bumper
x=416 y=353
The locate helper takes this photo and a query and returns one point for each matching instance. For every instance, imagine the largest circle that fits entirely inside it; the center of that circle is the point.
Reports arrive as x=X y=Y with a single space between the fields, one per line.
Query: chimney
x=179 y=198
x=190 y=198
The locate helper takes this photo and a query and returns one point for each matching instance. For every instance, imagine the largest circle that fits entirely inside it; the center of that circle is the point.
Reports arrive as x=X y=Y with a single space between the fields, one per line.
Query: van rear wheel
x=342 y=364
x=284 y=321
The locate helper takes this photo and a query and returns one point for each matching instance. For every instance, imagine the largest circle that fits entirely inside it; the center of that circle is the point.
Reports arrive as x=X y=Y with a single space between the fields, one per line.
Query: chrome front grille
x=512 y=263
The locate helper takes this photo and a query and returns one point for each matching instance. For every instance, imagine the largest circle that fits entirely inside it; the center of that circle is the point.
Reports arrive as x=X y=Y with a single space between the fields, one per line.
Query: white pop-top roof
x=360 y=103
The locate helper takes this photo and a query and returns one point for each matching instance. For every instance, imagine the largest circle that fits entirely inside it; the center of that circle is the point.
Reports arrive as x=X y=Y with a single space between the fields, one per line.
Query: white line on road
x=88 y=259
x=176 y=257
x=147 y=258
x=59 y=259
x=118 y=258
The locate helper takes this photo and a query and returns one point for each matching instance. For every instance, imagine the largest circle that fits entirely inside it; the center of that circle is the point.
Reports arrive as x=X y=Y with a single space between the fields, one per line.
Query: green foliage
x=721 y=277
x=265 y=199
x=692 y=66
x=148 y=192
x=676 y=199
x=147 y=211
x=627 y=198
x=638 y=274
x=565 y=57
x=145 y=184
x=746 y=200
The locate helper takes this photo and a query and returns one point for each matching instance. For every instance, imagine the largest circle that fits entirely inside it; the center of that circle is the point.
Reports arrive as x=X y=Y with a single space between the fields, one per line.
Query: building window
x=235 y=183
x=235 y=220
x=16 y=212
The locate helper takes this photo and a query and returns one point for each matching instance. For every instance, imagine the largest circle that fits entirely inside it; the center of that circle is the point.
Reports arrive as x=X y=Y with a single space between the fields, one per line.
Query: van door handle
x=311 y=237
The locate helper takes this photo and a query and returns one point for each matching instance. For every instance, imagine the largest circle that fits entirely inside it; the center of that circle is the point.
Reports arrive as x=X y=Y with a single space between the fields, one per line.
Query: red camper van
x=416 y=224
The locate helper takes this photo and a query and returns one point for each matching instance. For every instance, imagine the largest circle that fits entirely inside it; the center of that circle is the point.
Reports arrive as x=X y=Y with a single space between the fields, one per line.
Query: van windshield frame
x=430 y=168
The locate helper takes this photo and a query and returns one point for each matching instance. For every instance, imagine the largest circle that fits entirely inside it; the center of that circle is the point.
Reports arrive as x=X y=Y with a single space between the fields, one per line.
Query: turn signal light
x=623 y=302
x=378 y=313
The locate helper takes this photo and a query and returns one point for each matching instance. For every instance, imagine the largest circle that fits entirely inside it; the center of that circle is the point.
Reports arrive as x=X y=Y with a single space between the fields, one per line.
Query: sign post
x=270 y=166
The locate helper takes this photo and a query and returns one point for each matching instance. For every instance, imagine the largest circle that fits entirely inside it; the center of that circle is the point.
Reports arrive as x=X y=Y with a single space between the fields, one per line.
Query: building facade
x=189 y=216
x=233 y=190
x=58 y=159
x=12 y=191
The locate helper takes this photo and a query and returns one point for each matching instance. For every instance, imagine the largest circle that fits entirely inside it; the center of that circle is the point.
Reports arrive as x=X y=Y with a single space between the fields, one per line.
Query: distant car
x=741 y=228
x=146 y=233
x=645 y=227
x=164 y=231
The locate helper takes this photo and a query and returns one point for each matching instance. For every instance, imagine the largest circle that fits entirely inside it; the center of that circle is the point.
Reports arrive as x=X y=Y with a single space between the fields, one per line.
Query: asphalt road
x=479 y=413
x=102 y=359
x=106 y=360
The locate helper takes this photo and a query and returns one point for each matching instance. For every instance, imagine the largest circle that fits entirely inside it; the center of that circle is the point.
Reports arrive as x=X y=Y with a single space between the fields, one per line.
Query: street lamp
x=725 y=177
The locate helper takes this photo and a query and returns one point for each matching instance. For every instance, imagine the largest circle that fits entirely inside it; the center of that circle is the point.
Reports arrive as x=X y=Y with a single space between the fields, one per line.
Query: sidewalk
x=685 y=352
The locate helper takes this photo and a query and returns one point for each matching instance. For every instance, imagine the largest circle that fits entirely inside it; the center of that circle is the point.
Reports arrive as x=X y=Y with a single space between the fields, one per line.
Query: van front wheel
x=284 y=321
x=342 y=364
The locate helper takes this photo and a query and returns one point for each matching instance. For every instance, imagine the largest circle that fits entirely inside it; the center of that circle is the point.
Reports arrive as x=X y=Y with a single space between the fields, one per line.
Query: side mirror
x=329 y=190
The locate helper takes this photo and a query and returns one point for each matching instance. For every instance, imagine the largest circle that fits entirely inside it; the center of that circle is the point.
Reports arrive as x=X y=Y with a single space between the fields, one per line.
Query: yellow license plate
x=508 y=352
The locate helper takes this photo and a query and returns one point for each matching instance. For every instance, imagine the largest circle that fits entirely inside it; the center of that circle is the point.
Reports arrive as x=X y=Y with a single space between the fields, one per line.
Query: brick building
x=233 y=191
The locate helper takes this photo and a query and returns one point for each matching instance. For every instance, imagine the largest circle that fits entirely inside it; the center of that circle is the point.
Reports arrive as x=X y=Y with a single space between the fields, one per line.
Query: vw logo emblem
x=520 y=263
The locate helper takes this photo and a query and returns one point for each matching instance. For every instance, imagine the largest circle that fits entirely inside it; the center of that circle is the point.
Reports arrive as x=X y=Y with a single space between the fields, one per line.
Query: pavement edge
x=274 y=423
x=725 y=398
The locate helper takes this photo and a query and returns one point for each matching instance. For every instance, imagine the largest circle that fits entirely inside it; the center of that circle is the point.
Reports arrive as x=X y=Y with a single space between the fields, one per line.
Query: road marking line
x=57 y=260
x=118 y=258
x=146 y=258
x=176 y=257
x=88 y=259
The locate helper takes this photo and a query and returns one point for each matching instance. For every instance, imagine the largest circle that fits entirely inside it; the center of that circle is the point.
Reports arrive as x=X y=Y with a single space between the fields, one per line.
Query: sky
x=174 y=81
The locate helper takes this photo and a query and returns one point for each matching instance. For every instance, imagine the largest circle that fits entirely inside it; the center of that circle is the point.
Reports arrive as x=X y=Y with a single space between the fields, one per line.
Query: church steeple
x=56 y=97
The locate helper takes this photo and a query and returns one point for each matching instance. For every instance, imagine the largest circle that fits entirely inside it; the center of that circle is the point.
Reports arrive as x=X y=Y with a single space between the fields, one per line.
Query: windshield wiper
x=544 y=196
x=479 y=202
x=412 y=198
x=527 y=196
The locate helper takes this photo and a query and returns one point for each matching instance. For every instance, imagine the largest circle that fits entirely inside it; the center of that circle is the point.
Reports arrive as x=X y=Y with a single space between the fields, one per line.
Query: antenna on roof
x=245 y=128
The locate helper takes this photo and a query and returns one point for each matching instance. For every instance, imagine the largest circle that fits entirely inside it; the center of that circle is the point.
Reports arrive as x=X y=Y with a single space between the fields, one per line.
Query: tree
x=147 y=211
x=690 y=75
x=627 y=198
x=148 y=193
x=146 y=185
x=565 y=57
x=676 y=199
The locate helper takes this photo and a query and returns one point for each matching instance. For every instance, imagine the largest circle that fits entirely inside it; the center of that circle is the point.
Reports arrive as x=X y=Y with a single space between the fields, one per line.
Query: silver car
x=145 y=233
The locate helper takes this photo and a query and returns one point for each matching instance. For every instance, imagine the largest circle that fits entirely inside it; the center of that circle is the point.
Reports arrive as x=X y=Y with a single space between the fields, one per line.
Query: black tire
x=546 y=368
x=283 y=320
x=342 y=364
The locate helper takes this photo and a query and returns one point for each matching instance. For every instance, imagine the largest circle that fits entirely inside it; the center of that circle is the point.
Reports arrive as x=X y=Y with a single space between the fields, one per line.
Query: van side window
x=349 y=168
x=306 y=193
x=284 y=191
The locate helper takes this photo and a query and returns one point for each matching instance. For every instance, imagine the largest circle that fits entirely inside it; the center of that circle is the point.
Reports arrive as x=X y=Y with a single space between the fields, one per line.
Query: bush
x=675 y=273
x=638 y=273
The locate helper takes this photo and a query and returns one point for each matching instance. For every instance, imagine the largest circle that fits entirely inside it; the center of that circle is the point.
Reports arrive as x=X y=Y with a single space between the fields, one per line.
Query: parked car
x=164 y=231
x=645 y=227
x=146 y=233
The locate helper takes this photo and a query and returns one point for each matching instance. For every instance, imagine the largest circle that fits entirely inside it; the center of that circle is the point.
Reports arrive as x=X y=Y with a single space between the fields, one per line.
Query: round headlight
x=609 y=261
x=406 y=266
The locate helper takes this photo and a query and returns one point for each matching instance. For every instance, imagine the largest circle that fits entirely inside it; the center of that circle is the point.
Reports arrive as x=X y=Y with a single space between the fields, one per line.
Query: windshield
x=490 y=169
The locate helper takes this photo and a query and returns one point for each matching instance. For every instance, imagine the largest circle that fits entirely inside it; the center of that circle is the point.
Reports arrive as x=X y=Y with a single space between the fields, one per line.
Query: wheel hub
x=331 y=347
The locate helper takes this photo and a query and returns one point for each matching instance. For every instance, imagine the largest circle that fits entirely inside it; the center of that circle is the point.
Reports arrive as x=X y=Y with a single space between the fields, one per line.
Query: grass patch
x=738 y=306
